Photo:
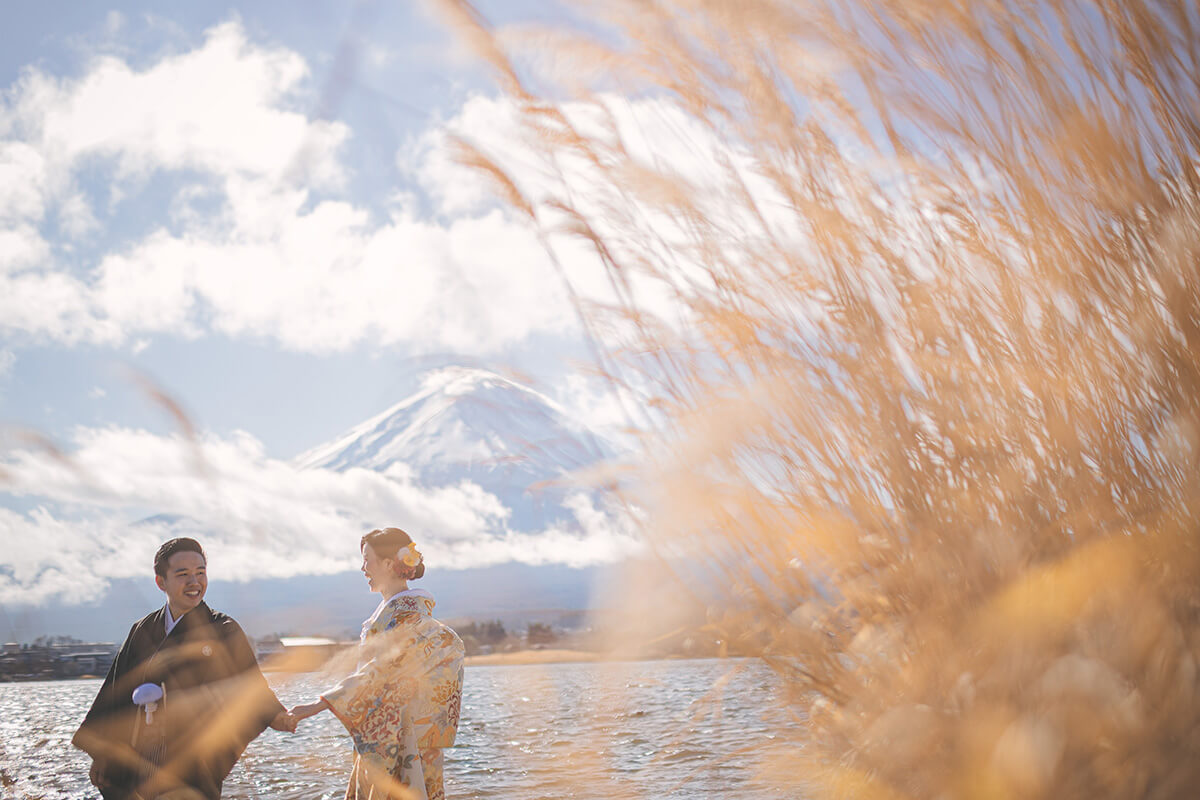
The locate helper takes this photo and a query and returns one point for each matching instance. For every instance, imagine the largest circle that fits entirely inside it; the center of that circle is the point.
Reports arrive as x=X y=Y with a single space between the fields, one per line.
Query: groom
x=215 y=699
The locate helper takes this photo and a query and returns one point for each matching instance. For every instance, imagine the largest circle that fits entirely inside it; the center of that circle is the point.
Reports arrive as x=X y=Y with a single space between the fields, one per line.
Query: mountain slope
x=468 y=424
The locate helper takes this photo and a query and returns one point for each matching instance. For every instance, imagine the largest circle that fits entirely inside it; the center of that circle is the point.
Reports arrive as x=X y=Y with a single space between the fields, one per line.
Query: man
x=214 y=698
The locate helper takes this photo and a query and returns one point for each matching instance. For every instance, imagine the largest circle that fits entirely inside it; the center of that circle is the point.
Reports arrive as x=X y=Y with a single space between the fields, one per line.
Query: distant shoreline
x=548 y=656
x=562 y=656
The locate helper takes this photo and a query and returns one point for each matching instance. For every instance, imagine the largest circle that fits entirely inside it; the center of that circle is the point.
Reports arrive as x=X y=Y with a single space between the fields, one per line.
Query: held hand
x=96 y=775
x=284 y=722
x=306 y=711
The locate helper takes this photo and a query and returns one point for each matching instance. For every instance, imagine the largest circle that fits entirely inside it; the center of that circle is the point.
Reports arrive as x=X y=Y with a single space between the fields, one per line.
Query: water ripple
x=629 y=730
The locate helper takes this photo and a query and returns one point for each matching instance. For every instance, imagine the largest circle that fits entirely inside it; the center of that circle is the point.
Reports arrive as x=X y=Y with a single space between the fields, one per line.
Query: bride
x=401 y=706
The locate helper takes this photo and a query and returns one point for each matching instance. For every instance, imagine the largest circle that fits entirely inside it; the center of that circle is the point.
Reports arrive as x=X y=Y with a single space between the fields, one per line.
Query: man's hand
x=284 y=722
x=96 y=775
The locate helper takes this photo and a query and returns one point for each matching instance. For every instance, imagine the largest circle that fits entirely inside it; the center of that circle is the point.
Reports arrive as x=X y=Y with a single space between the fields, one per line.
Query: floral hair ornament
x=413 y=556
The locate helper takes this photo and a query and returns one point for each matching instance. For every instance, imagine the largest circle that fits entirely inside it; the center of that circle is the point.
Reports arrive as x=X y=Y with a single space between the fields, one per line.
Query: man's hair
x=180 y=544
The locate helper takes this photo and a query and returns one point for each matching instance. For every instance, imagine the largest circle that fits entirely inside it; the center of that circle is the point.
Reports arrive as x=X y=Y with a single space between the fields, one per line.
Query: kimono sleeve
x=372 y=703
x=107 y=730
x=229 y=705
x=254 y=690
x=440 y=704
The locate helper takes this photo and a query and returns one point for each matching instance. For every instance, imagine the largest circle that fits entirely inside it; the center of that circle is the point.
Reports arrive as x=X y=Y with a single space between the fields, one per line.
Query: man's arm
x=106 y=700
x=103 y=733
x=255 y=686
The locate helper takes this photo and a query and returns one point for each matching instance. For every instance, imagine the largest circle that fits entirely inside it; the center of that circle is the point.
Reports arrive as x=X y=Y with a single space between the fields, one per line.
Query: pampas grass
x=925 y=401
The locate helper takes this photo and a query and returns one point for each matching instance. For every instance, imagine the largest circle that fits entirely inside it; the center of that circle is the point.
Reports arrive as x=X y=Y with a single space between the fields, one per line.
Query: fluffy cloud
x=246 y=246
x=267 y=517
x=216 y=114
x=67 y=559
x=23 y=180
x=219 y=109
x=325 y=280
x=258 y=238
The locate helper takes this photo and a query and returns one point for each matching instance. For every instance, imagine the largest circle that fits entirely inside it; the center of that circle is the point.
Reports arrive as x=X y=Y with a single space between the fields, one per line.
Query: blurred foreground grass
x=909 y=291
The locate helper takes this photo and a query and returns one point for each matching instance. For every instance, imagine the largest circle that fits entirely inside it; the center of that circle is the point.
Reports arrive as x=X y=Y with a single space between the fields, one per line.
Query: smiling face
x=380 y=574
x=185 y=583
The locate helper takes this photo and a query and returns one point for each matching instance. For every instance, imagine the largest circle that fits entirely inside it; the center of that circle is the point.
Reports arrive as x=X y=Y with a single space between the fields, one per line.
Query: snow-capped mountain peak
x=467 y=423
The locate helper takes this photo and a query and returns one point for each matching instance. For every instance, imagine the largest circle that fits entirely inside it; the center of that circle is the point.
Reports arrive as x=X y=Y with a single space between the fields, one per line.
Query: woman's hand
x=306 y=711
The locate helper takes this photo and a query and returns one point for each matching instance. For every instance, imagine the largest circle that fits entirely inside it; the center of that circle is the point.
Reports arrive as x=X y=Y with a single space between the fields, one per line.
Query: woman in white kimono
x=401 y=706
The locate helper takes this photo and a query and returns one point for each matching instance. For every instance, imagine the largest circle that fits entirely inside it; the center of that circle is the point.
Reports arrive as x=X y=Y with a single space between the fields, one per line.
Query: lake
x=651 y=729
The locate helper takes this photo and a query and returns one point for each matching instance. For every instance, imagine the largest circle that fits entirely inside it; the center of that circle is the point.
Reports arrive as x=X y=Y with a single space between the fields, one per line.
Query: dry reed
x=927 y=408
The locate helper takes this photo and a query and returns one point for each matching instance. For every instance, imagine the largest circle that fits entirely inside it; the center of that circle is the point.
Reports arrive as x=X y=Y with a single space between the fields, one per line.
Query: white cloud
x=23 y=181
x=267 y=517
x=20 y=246
x=271 y=261
x=218 y=109
x=47 y=557
x=7 y=359
x=50 y=304
x=323 y=280
x=246 y=248
x=665 y=156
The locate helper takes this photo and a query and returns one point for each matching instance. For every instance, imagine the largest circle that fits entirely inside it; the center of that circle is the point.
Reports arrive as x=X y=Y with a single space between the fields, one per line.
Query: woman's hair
x=386 y=542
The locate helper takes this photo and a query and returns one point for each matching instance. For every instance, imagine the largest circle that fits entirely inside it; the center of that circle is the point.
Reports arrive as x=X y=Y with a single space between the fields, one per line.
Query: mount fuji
x=473 y=425
x=470 y=426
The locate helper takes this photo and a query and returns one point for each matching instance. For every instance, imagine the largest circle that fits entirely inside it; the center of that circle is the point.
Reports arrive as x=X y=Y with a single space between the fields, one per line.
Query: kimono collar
x=197 y=616
x=407 y=593
x=385 y=603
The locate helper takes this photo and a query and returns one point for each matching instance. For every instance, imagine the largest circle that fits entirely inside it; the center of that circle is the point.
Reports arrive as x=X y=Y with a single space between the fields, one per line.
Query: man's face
x=185 y=583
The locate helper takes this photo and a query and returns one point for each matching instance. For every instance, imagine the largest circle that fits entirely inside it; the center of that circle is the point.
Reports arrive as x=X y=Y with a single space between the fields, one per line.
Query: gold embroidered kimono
x=401 y=707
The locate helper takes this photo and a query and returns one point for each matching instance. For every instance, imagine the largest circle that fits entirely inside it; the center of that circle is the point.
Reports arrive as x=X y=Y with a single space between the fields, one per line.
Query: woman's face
x=378 y=570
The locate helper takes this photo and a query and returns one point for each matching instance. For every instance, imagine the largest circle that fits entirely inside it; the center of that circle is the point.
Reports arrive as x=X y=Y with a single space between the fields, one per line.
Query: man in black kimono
x=215 y=699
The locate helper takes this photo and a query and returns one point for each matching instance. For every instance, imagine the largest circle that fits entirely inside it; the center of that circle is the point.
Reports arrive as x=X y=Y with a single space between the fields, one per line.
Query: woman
x=401 y=707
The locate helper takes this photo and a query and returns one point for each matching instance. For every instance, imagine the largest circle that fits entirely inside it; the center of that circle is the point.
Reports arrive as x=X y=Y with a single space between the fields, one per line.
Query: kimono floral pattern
x=402 y=705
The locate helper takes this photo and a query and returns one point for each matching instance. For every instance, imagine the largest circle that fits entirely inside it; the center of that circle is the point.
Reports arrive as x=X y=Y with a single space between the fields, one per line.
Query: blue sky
x=253 y=209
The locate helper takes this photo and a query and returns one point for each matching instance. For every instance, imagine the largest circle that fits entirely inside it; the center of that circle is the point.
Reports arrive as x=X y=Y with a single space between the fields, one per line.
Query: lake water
x=658 y=729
